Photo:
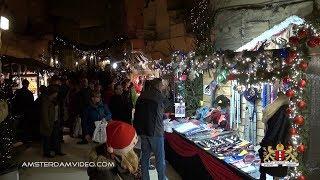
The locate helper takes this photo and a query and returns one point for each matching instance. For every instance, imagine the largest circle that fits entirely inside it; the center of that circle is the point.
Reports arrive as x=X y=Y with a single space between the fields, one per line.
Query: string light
x=114 y=65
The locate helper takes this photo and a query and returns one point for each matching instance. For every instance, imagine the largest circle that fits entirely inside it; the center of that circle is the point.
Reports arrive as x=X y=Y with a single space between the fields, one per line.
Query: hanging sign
x=180 y=110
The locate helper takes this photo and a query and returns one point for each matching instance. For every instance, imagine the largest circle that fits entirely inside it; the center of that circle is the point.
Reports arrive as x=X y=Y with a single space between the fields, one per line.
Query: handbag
x=77 y=132
x=100 y=134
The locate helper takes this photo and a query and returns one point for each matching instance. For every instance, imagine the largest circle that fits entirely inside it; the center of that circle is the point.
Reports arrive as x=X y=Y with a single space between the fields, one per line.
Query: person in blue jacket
x=96 y=111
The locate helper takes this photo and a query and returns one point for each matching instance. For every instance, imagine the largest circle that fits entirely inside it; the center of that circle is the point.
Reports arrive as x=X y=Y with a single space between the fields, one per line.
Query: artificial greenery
x=194 y=93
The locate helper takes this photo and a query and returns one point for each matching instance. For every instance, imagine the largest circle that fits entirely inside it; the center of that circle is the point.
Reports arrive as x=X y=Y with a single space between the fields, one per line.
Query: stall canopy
x=9 y=62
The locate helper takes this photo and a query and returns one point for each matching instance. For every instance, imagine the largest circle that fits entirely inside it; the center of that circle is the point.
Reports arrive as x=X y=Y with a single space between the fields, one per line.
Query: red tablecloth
x=216 y=169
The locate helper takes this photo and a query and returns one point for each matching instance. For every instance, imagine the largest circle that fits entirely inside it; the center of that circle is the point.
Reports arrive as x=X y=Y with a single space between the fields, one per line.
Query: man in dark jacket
x=84 y=102
x=119 y=105
x=96 y=111
x=50 y=123
x=148 y=121
x=23 y=103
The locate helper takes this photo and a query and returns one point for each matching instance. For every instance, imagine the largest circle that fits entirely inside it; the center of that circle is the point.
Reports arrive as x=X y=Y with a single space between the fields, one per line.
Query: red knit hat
x=121 y=137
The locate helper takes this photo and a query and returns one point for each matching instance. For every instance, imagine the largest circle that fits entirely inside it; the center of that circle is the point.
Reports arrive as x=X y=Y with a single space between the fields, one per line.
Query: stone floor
x=74 y=153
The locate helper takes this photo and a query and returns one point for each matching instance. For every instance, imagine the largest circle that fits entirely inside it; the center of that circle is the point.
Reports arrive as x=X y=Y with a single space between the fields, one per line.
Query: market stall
x=253 y=129
x=17 y=69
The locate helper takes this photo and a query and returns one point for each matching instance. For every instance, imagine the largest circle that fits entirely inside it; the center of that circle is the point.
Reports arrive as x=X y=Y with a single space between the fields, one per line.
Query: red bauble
x=303 y=33
x=291 y=57
x=317 y=40
x=183 y=77
x=294 y=40
x=299 y=120
x=286 y=80
x=293 y=131
x=312 y=42
x=302 y=104
x=301 y=148
x=303 y=65
x=232 y=77
x=289 y=61
x=290 y=93
x=302 y=83
x=302 y=177
x=289 y=111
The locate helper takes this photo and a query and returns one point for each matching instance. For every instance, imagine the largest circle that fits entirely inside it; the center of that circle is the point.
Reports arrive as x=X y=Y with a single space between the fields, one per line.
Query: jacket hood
x=272 y=108
x=153 y=95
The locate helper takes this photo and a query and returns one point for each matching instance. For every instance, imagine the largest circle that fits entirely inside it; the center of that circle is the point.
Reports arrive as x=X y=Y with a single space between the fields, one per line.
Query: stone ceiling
x=33 y=23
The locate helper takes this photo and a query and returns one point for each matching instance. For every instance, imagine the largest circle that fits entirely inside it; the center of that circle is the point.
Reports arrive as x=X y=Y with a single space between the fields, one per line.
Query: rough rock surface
x=236 y=27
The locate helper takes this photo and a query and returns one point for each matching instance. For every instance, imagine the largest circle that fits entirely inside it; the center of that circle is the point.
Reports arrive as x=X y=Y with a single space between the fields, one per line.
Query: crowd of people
x=66 y=101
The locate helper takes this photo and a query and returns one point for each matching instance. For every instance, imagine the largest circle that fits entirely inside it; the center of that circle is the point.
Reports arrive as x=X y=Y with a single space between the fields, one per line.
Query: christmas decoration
x=302 y=177
x=283 y=53
x=293 y=131
x=303 y=65
x=294 y=40
x=313 y=42
x=302 y=83
x=286 y=80
x=302 y=104
x=289 y=111
x=301 y=148
x=303 y=33
x=232 y=77
x=292 y=56
x=290 y=93
x=299 y=120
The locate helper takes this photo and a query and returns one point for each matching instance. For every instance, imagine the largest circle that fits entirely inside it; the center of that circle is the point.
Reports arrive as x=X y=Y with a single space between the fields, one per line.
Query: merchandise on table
x=219 y=142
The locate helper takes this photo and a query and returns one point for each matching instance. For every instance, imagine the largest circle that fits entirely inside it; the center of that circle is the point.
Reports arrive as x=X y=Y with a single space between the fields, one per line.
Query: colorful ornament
x=299 y=120
x=291 y=57
x=284 y=53
x=294 y=40
x=301 y=104
x=289 y=111
x=286 y=80
x=312 y=42
x=317 y=40
x=301 y=148
x=293 y=131
x=303 y=33
x=290 y=93
x=302 y=83
x=303 y=65
x=232 y=77
x=183 y=77
x=302 y=177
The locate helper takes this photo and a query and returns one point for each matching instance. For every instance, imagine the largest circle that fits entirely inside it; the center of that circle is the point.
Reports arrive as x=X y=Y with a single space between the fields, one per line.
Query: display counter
x=193 y=160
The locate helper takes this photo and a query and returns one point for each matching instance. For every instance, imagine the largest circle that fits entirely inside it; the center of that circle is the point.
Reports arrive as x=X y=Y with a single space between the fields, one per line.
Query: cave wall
x=239 y=21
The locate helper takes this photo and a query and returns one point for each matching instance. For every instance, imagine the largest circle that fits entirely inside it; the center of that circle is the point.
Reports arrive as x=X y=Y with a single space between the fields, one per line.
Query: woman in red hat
x=117 y=154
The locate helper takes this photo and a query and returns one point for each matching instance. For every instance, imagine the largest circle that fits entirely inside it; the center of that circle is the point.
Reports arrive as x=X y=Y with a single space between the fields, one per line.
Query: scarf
x=272 y=108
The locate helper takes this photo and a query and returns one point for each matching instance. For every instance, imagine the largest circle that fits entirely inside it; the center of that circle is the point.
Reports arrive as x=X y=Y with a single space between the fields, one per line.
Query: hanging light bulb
x=84 y=57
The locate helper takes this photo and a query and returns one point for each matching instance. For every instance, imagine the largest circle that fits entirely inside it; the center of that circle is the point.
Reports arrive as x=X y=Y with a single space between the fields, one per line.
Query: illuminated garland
x=254 y=68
